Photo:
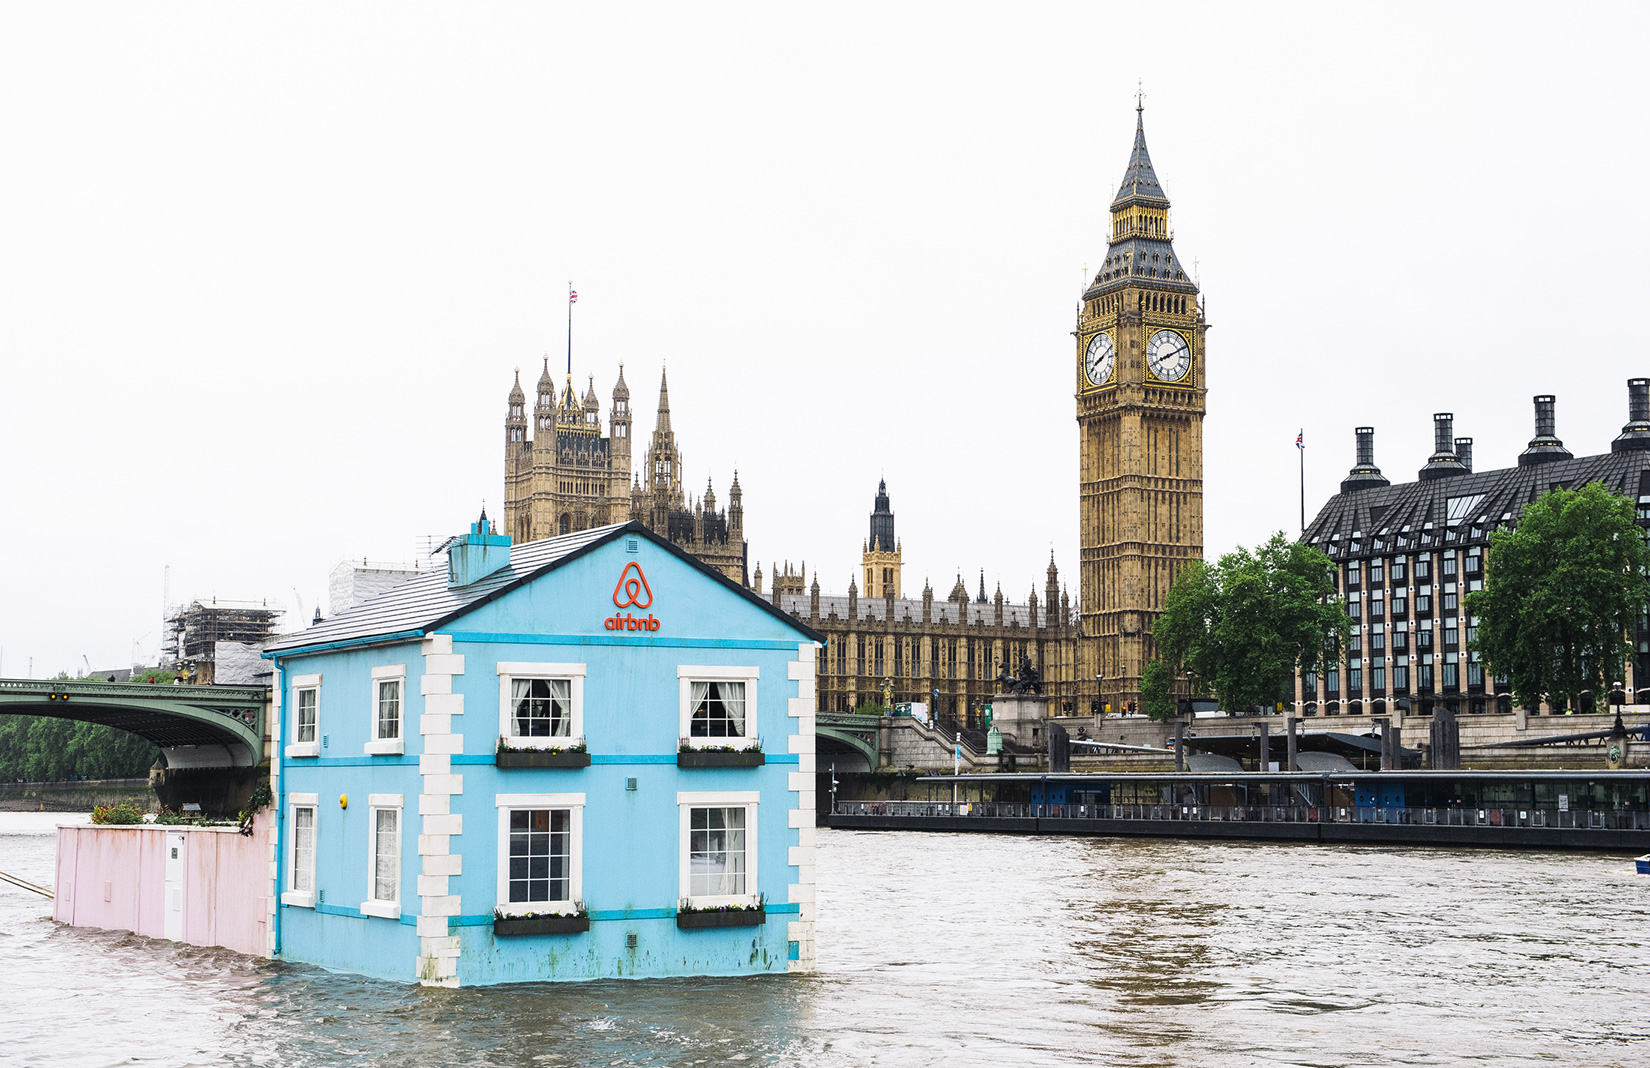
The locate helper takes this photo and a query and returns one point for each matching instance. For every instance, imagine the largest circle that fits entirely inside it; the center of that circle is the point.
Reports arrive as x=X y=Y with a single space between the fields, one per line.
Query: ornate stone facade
x=947 y=653
x=1140 y=405
x=565 y=475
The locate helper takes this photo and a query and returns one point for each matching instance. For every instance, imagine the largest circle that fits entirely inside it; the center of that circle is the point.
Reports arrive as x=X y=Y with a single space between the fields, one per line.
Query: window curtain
x=520 y=690
x=387 y=856
x=733 y=706
x=700 y=696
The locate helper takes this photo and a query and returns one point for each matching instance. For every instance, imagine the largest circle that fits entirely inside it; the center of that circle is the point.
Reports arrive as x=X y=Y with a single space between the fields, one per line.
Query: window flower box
x=720 y=758
x=512 y=926
x=699 y=919
x=541 y=758
x=554 y=756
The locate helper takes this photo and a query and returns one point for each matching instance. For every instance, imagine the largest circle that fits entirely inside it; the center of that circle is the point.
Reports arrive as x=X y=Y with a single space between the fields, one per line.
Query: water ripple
x=946 y=949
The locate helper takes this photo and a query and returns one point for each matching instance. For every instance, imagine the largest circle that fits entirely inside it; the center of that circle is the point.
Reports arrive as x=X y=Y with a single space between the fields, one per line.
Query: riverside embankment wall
x=215 y=892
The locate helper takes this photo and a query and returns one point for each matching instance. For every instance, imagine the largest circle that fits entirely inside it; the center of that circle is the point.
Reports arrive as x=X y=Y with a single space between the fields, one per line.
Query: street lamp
x=1099 y=698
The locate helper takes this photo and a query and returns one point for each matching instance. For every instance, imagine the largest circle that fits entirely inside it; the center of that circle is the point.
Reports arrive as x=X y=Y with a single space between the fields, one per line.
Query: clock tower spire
x=1140 y=392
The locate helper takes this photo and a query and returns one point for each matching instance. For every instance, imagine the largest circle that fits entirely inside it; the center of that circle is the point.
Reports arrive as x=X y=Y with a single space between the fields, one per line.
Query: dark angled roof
x=427 y=603
x=1135 y=258
x=1461 y=510
x=1140 y=184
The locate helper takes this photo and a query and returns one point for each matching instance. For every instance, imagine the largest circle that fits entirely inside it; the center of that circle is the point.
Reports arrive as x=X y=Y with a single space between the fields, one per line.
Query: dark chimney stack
x=1463 y=452
x=1636 y=434
x=1443 y=462
x=1544 y=447
x=1443 y=430
x=1364 y=474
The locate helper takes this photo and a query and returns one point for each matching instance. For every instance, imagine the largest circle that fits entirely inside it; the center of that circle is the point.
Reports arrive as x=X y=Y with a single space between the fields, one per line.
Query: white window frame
x=688 y=674
x=509 y=671
x=311 y=748
x=508 y=803
x=686 y=802
x=301 y=898
x=377 y=746
x=374 y=905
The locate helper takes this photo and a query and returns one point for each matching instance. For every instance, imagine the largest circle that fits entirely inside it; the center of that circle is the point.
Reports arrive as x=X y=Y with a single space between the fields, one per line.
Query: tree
x=1156 y=682
x=1245 y=625
x=1561 y=593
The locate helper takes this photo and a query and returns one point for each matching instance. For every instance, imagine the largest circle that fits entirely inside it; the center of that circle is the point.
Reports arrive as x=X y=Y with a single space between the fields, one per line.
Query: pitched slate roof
x=1461 y=510
x=427 y=603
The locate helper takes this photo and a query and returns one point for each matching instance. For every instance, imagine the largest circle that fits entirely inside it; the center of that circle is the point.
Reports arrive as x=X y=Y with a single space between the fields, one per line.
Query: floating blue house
x=580 y=757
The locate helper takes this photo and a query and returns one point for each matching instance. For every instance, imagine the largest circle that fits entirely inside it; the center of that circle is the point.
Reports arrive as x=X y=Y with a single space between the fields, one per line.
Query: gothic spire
x=663 y=425
x=1140 y=184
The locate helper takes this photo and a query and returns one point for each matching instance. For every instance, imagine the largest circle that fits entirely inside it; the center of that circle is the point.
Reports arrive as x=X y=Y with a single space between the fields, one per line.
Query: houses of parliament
x=1139 y=387
x=566 y=475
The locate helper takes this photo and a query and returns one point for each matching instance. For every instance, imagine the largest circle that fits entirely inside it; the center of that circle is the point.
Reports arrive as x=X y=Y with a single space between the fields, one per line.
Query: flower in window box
x=555 y=756
x=541 y=923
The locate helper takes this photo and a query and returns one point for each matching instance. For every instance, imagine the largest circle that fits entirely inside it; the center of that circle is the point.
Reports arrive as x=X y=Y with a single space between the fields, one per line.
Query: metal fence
x=1606 y=820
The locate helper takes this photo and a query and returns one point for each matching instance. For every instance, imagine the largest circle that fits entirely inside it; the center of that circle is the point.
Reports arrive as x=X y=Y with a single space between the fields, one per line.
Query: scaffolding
x=194 y=631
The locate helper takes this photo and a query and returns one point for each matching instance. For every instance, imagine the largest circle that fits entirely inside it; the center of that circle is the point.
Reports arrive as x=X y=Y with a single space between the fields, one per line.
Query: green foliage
x=1560 y=595
x=261 y=798
x=1156 y=682
x=123 y=812
x=871 y=708
x=1243 y=626
x=40 y=749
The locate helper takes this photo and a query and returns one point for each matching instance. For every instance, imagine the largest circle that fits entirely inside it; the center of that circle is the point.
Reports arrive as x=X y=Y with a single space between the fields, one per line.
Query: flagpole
x=1302 y=450
x=570 y=329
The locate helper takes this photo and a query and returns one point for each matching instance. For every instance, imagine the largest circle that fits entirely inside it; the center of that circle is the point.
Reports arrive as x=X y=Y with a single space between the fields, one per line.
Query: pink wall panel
x=115 y=878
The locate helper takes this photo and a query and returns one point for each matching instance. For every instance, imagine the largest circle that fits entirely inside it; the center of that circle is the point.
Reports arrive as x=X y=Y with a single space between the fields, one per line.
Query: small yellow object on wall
x=343 y=800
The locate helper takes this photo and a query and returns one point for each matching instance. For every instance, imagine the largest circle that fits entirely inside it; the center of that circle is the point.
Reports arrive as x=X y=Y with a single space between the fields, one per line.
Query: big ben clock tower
x=1140 y=403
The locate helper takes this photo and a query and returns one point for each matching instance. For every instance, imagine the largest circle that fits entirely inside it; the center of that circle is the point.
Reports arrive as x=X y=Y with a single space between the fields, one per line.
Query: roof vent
x=1364 y=474
x=1545 y=446
x=472 y=557
x=1636 y=434
x=1443 y=463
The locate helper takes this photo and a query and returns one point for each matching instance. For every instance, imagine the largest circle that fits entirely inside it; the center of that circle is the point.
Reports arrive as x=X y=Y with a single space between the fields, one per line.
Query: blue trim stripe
x=613 y=639
x=395 y=760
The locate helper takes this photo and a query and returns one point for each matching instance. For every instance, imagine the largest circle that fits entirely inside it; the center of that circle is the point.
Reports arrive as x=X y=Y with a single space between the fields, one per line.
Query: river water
x=941 y=949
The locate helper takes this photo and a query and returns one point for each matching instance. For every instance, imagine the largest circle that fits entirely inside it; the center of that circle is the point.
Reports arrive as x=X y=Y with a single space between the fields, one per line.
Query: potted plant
x=689 y=755
x=541 y=923
x=689 y=917
x=576 y=755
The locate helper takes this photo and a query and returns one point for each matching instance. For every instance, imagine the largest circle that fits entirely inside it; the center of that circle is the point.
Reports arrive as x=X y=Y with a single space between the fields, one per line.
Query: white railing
x=1551 y=819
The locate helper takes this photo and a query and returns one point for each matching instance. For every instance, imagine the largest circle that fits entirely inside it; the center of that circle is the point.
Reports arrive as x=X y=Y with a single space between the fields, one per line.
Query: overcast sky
x=266 y=271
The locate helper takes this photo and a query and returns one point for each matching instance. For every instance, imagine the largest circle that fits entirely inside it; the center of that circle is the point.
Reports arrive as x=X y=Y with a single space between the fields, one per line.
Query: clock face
x=1099 y=359
x=1168 y=355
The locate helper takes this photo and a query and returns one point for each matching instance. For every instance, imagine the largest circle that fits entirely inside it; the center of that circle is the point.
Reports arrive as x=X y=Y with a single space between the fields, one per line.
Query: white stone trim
x=688 y=674
x=438 y=947
x=574 y=804
x=800 y=817
x=510 y=670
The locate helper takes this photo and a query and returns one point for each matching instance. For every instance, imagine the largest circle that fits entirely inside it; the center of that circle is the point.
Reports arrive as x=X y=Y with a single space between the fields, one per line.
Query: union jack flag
x=1300 y=440
x=572 y=296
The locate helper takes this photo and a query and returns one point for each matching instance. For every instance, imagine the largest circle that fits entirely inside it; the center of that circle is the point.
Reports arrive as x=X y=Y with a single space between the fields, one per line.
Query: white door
x=172 y=925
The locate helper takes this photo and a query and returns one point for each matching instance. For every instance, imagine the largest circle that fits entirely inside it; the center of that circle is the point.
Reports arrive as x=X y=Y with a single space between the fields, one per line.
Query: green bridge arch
x=230 y=718
x=855 y=733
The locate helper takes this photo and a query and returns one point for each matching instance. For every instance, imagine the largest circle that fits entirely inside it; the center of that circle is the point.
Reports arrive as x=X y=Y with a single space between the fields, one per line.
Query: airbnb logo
x=632 y=590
